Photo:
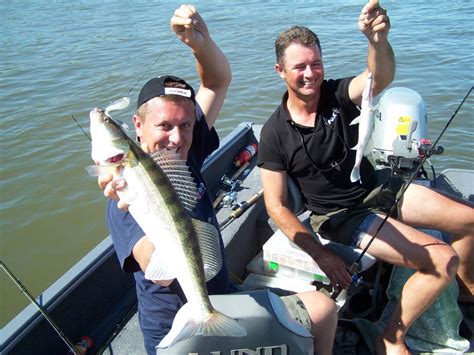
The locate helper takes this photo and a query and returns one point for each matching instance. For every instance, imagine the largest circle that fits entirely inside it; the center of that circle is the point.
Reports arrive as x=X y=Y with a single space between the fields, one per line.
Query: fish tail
x=355 y=174
x=216 y=324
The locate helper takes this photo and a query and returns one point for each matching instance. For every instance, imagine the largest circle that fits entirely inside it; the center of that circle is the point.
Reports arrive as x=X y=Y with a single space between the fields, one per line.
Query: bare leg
x=323 y=314
x=435 y=263
x=449 y=214
x=464 y=247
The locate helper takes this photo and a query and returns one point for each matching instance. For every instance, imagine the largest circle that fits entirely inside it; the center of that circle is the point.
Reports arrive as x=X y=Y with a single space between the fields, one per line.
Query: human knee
x=321 y=309
x=452 y=267
x=328 y=304
x=447 y=263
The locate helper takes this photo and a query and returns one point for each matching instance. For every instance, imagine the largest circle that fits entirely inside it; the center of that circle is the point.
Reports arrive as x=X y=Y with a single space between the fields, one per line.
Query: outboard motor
x=399 y=140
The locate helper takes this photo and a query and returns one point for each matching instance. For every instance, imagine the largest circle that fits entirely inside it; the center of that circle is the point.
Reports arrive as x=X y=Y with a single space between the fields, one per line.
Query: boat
x=96 y=299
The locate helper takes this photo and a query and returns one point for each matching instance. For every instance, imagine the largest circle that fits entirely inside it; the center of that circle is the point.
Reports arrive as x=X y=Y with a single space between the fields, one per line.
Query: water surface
x=60 y=58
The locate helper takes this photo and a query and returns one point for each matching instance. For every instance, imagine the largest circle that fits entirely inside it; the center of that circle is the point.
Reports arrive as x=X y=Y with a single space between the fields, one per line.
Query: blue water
x=61 y=58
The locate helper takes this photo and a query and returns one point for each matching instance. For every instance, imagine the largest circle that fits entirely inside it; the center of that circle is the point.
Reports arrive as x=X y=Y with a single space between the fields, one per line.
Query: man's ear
x=137 y=122
x=280 y=70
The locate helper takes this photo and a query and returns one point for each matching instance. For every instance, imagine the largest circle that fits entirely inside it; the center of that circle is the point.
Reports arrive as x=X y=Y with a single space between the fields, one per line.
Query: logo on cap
x=177 y=91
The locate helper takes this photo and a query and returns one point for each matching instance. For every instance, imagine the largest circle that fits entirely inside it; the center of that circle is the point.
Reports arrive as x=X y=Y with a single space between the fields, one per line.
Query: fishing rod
x=355 y=266
x=82 y=129
x=127 y=95
x=40 y=308
x=239 y=211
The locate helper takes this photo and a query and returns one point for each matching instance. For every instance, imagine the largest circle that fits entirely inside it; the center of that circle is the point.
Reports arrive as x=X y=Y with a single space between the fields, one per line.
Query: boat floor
x=129 y=341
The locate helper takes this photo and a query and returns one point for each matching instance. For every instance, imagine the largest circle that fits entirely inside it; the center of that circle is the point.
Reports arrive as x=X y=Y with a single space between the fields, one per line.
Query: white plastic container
x=258 y=281
x=282 y=256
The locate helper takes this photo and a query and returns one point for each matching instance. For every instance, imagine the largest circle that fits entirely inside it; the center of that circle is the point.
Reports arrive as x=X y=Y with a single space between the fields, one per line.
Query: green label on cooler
x=273 y=266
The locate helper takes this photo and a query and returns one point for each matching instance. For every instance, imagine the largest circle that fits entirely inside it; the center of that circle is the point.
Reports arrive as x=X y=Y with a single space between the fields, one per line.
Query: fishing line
x=354 y=266
x=170 y=42
x=397 y=200
x=82 y=129
x=151 y=65
x=40 y=308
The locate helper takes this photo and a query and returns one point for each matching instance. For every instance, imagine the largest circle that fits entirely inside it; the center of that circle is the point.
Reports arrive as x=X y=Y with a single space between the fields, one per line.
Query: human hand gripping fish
x=106 y=180
x=366 y=124
x=189 y=26
x=374 y=22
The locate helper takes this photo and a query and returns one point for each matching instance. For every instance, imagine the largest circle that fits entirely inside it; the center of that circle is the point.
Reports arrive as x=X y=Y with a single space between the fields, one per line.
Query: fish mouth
x=97 y=115
x=115 y=159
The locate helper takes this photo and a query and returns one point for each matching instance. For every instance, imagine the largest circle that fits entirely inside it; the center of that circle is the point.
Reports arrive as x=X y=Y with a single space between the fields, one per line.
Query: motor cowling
x=399 y=139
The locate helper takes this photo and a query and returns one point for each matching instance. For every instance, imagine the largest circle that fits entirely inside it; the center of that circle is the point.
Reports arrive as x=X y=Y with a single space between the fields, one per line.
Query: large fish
x=160 y=192
x=366 y=124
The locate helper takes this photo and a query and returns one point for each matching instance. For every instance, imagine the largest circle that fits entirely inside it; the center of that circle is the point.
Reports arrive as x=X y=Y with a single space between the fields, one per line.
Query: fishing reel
x=232 y=184
x=356 y=281
x=229 y=198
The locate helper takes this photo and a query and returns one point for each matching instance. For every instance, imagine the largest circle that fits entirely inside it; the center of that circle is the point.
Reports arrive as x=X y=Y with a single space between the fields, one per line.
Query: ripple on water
x=64 y=58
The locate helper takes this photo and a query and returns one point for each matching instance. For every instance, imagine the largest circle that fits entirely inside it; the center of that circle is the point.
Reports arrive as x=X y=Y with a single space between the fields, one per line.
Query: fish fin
x=355 y=174
x=184 y=326
x=355 y=121
x=97 y=170
x=209 y=244
x=179 y=175
x=157 y=267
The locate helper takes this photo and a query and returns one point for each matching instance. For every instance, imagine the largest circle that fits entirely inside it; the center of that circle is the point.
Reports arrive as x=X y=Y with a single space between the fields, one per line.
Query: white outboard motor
x=399 y=139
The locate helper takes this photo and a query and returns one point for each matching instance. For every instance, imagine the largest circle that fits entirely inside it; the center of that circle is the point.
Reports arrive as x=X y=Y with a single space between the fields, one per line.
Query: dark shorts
x=349 y=225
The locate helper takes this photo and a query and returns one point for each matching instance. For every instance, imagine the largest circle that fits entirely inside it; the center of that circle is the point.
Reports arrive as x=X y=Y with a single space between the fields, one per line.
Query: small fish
x=119 y=104
x=160 y=192
x=366 y=124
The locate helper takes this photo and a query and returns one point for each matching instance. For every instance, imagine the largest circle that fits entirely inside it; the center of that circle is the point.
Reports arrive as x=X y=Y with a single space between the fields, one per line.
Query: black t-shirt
x=158 y=305
x=322 y=169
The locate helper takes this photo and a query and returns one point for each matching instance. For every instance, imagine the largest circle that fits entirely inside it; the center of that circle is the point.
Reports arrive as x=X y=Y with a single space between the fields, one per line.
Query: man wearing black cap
x=171 y=115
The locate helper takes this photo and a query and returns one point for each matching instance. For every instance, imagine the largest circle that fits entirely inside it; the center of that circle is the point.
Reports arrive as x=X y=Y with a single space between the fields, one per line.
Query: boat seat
x=349 y=254
x=258 y=311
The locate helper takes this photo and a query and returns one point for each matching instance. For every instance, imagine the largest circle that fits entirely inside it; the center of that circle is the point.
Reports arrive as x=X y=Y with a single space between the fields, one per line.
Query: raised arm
x=375 y=25
x=212 y=65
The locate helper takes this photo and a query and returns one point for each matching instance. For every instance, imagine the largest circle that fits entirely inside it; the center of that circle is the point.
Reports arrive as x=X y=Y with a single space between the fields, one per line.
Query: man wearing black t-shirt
x=308 y=138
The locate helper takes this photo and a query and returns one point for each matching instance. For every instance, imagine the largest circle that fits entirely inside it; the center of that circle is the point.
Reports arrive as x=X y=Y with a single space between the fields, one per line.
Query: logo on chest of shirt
x=336 y=114
x=200 y=191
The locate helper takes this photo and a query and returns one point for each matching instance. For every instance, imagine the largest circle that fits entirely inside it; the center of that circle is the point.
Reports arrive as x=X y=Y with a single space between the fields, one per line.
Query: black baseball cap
x=164 y=86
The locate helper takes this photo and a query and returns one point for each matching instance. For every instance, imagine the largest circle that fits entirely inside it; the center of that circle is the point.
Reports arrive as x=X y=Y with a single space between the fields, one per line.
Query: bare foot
x=384 y=347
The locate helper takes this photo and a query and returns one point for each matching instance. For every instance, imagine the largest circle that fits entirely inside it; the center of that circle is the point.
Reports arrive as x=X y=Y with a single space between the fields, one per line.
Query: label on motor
x=403 y=126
